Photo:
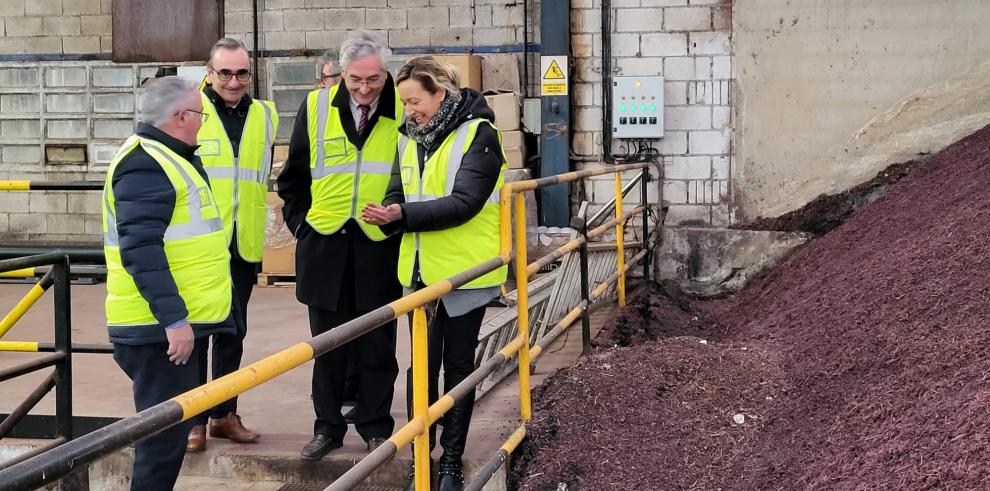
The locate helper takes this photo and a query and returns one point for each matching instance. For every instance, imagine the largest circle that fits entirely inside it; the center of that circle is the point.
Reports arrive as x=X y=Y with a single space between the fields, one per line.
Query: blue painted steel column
x=555 y=138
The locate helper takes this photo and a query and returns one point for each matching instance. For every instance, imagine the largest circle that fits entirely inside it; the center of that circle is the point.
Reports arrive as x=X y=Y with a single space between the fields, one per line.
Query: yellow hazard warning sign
x=554 y=79
x=554 y=72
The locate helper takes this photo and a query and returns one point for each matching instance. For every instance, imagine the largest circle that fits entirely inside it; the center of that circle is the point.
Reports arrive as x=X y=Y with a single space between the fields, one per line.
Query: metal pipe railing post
x=620 y=254
x=646 y=223
x=522 y=292
x=580 y=223
x=63 y=344
x=421 y=399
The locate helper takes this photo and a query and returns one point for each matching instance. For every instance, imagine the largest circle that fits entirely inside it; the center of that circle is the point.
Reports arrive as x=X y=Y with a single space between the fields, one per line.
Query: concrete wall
x=55 y=27
x=59 y=89
x=829 y=92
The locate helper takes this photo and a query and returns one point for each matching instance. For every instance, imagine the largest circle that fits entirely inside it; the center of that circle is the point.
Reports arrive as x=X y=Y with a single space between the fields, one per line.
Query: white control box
x=637 y=107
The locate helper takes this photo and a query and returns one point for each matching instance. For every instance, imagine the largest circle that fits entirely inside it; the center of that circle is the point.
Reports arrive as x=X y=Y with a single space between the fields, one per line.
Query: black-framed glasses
x=243 y=75
x=324 y=77
x=203 y=116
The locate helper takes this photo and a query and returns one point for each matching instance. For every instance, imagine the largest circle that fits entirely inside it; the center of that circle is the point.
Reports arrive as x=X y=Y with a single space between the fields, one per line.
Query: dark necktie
x=364 y=117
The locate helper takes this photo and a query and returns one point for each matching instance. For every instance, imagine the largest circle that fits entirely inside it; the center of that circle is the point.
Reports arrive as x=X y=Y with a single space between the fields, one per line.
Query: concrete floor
x=280 y=409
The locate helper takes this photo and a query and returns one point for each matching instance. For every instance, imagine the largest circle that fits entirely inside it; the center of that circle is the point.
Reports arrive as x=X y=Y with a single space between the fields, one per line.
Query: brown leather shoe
x=197 y=439
x=230 y=426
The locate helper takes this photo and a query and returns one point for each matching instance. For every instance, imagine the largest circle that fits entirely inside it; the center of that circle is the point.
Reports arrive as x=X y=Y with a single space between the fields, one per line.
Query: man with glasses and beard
x=235 y=146
x=340 y=159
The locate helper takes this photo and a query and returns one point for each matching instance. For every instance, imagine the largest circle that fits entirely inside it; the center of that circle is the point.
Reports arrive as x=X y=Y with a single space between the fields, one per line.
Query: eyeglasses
x=324 y=77
x=204 y=116
x=372 y=82
x=225 y=75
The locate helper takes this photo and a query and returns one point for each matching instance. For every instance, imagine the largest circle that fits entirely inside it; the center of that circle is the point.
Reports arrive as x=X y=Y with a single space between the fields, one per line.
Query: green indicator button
x=653 y=108
x=622 y=108
x=642 y=108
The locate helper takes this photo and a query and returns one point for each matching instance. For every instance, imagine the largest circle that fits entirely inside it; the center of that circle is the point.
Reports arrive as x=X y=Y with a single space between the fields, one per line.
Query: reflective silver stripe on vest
x=196 y=226
x=110 y=237
x=266 y=160
x=322 y=113
x=415 y=198
x=403 y=141
x=456 y=156
x=230 y=172
x=367 y=167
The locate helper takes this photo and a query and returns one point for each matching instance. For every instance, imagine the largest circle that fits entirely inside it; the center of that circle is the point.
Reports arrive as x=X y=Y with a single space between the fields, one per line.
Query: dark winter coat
x=326 y=264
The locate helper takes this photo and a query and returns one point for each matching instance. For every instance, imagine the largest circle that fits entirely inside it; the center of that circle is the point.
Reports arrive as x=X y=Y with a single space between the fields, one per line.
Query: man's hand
x=180 y=343
x=381 y=215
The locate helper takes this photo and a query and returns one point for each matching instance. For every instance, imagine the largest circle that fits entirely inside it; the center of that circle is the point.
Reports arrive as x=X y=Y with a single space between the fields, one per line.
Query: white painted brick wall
x=688 y=42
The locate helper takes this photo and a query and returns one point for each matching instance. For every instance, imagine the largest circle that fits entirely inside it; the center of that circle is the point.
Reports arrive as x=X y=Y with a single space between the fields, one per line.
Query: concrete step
x=272 y=466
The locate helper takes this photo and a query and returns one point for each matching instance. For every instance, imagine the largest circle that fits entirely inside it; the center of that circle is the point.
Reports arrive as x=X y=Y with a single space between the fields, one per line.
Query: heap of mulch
x=872 y=342
x=608 y=422
x=828 y=211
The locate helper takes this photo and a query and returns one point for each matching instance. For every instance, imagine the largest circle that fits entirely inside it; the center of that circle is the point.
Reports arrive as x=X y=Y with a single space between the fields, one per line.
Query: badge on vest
x=407 y=173
x=204 y=197
x=209 y=147
x=334 y=147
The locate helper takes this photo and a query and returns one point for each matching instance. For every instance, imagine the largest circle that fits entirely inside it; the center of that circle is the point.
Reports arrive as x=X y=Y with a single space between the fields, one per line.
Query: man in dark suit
x=340 y=158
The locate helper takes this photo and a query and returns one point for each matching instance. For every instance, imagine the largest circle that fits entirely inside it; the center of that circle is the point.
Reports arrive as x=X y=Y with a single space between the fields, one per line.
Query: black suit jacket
x=344 y=270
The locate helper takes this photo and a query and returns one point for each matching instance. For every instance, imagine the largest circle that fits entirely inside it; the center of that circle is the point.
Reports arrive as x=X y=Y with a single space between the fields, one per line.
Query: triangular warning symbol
x=554 y=72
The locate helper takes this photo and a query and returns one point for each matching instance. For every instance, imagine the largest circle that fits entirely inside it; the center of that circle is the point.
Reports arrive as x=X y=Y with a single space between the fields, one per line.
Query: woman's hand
x=381 y=215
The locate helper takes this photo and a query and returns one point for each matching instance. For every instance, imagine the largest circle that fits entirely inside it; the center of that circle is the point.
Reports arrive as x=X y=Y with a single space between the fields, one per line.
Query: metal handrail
x=61 y=358
x=63 y=459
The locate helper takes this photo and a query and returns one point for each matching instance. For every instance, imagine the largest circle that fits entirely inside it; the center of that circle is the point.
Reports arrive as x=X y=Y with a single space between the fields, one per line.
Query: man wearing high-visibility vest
x=168 y=276
x=340 y=158
x=235 y=145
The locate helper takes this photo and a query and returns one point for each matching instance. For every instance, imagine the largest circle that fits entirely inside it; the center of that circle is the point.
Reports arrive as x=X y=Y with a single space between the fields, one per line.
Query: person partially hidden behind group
x=443 y=197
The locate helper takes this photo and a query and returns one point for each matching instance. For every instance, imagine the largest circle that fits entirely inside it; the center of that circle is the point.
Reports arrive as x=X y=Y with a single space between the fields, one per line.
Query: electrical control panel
x=637 y=107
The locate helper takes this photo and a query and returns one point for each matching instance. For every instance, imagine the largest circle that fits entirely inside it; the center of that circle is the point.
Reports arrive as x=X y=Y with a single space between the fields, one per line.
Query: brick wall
x=61 y=121
x=322 y=24
x=688 y=42
x=91 y=103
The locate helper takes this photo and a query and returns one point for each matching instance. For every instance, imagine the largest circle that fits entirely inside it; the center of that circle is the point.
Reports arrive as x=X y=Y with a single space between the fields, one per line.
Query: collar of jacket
x=184 y=150
x=219 y=103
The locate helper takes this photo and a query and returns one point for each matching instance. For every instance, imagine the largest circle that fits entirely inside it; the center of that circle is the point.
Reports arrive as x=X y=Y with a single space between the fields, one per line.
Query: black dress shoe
x=319 y=446
x=375 y=442
x=451 y=478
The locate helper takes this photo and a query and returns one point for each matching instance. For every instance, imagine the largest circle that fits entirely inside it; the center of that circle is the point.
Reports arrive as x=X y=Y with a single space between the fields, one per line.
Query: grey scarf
x=426 y=135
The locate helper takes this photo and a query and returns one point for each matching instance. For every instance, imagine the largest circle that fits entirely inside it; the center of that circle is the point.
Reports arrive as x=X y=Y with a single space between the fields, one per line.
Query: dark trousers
x=157 y=459
x=452 y=342
x=374 y=367
x=228 y=349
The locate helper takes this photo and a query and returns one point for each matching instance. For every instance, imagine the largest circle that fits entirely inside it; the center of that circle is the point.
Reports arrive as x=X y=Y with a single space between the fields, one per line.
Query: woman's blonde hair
x=431 y=73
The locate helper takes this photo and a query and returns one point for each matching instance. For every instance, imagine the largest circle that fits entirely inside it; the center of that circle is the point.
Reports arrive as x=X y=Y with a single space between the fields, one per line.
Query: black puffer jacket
x=473 y=184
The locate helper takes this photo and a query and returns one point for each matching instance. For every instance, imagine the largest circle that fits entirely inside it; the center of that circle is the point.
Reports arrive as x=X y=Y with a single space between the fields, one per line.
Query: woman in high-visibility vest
x=443 y=197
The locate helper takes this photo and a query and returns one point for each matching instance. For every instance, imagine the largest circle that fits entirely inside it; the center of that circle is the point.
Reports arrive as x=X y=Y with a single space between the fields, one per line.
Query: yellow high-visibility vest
x=345 y=179
x=240 y=183
x=444 y=253
x=195 y=246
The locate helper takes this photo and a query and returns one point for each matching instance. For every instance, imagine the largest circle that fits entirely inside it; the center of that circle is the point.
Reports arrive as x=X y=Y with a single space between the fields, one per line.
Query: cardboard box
x=516 y=157
x=506 y=107
x=279 y=255
x=468 y=67
x=513 y=139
